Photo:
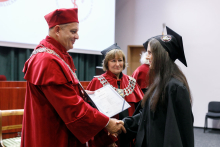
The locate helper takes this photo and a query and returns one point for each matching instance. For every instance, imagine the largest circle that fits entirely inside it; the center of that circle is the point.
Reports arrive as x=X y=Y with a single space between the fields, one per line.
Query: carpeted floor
x=211 y=138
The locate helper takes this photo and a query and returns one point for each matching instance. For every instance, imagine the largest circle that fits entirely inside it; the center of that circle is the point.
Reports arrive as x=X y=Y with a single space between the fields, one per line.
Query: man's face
x=67 y=34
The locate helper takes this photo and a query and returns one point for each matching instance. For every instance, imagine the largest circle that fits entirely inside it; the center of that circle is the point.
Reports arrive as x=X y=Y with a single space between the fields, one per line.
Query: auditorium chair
x=3 y=78
x=10 y=142
x=213 y=112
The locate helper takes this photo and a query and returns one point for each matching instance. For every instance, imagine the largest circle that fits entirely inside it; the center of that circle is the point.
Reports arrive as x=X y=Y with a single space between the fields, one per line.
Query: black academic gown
x=171 y=125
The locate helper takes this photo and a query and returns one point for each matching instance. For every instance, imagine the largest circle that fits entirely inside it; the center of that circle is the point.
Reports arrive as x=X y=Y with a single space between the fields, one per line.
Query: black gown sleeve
x=138 y=108
x=184 y=116
x=131 y=125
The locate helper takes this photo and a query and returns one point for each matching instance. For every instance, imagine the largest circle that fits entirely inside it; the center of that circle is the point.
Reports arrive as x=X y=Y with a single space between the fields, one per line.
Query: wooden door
x=133 y=57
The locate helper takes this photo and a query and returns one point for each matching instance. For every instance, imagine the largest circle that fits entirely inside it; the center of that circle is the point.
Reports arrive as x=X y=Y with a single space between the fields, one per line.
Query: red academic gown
x=141 y=75
x=55 y=114
x=133 y=98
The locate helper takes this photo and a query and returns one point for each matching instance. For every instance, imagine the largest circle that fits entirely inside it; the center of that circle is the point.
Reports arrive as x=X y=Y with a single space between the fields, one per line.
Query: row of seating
x=11 y=142
x=3 y=78
x=213 y=112
x=11 y=111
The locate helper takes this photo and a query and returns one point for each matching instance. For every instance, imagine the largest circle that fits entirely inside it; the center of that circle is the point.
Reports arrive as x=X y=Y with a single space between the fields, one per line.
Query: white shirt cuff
x=107 y=123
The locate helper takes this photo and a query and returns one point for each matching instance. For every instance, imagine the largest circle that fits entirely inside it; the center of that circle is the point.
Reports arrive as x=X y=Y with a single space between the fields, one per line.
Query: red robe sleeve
x=80 y=118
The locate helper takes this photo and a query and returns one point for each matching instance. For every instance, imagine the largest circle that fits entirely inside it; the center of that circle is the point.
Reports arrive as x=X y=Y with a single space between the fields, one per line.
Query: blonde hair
x=111 y=55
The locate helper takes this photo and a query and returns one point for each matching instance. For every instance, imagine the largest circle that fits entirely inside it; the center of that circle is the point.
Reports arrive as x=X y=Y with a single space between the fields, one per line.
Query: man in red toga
x=141 y=74
x=55 y=113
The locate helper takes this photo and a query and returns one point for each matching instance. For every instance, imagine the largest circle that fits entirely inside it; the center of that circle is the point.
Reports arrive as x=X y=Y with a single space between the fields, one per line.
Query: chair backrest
x=214 y=107
x=9 y=113
x=3 y=78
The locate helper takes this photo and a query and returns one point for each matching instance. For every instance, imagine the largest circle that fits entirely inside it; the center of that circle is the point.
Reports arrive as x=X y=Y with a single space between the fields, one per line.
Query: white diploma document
x=108 y=101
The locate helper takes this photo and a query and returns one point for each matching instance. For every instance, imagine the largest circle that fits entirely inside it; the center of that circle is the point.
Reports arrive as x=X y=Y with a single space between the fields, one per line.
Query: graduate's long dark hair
x=161 y=71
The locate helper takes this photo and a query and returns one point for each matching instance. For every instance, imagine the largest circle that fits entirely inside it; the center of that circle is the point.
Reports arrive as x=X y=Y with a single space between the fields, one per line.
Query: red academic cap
x=62 y=16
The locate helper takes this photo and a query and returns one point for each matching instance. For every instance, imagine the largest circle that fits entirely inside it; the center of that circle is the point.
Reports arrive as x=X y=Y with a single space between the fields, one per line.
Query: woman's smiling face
x=116 y=65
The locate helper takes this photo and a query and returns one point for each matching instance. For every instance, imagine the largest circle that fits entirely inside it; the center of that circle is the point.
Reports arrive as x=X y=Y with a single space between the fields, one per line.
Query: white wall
x=198 y=21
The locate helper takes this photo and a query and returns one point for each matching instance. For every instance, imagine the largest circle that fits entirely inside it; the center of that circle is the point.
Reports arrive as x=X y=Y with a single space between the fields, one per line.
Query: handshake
x=115 y=127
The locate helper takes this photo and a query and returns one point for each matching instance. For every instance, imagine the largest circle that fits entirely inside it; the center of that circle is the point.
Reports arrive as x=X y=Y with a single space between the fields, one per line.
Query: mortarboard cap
x=172 y=43
x=114 y=46
x=62 y=16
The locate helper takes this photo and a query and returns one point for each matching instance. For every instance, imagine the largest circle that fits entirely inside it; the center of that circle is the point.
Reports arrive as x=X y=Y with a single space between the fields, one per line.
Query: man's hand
x=115 y=126
x=90 y=92
x=113 y=145
x=84 y=95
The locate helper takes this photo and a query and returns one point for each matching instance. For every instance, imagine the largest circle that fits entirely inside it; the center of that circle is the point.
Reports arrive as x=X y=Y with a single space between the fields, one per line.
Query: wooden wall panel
x=12 y=83
x=12 y=98
x=84 y=83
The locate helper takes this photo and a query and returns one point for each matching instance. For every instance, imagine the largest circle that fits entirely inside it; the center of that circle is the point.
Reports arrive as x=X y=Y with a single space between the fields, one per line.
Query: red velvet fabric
x=141 y=75
x=54 y=113
x=3 y=78
x=62 y=16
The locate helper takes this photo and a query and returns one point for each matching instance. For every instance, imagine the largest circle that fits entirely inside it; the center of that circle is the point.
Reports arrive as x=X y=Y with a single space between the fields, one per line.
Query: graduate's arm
x=131 y=125
x=184 y=116
x=138 y=107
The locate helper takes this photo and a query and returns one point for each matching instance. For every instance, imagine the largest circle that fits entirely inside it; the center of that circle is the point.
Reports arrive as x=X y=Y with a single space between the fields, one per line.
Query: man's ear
x=57 y=29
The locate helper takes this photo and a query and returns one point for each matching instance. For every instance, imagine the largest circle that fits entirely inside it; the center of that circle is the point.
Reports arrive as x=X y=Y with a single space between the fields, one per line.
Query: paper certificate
x=108 y=101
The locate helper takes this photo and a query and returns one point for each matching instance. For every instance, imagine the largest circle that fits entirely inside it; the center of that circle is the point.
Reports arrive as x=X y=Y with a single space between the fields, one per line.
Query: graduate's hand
x=90 y=92
x=115 y=126
x=120 y=122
